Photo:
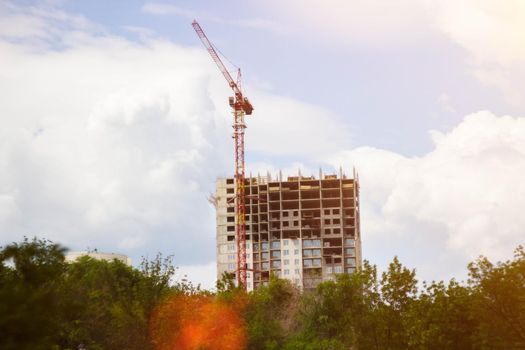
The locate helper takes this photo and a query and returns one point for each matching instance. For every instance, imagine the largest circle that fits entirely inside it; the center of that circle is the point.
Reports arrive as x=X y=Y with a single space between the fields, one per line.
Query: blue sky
x=115 y=116
x=375 y=89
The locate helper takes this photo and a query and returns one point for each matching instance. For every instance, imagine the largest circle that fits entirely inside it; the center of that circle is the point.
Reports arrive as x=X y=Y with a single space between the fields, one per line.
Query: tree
x=270 y=314
x=30 y=302
x=398 y=291
x=441 y=318
x=198 y=321
x=48 y=304
x=326 y=316
x=340 y=314
x=111 y=303
x=499 y=302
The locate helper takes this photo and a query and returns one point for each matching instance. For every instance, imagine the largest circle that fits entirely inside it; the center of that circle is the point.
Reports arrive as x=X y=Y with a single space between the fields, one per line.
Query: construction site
x=302 y=229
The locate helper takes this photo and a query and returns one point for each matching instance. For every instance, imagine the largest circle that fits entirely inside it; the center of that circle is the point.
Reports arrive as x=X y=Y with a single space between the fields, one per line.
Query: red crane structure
x=241 y=106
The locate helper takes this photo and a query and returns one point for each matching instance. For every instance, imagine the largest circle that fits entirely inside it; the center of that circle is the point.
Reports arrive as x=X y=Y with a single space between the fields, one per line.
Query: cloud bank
x=460 y=200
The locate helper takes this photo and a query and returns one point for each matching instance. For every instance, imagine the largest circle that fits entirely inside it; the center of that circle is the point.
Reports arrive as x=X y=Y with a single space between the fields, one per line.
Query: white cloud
x=124 y=142
x=458 y=201
x=163 y=9
x=492 y=33
x=491 y=30
x=32 y=23
x=373 y=23
x=203 y=275
x=108 y=143
x=283 y=127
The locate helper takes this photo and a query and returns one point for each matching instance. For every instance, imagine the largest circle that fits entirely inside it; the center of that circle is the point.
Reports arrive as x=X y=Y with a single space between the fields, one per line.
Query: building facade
x=73 y=256
x=303 y=229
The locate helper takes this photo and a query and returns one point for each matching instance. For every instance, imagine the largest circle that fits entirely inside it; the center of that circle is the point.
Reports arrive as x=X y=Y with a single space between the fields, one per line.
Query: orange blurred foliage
x=198 y=322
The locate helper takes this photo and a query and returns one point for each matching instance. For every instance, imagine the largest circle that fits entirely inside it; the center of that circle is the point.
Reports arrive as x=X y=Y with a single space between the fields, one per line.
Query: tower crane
x=241 y=106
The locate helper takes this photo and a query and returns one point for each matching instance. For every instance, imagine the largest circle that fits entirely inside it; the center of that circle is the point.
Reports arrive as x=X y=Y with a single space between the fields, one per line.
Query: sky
x=115 y=122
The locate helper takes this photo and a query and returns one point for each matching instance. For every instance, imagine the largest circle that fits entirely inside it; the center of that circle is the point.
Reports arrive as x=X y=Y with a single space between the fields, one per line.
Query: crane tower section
x=241 y=107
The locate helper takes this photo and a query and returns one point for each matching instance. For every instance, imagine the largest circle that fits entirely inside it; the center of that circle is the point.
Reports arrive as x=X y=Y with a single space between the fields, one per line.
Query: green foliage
x=324 y=316
x=30 y=302
x=358 y=311
x=441 y=318
x=228 y=291
x=109 y=305
x=361 y=312
x=270 y=314
x=398 y=291
x=226 y=283
x=499 y=302
x=48 y=304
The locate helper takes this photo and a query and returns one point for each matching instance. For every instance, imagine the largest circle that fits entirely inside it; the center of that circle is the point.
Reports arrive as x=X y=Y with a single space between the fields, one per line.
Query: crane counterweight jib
x=247 y=106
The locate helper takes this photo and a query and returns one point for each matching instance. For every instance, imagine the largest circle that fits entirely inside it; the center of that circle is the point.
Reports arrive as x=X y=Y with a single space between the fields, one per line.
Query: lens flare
x=196 y=323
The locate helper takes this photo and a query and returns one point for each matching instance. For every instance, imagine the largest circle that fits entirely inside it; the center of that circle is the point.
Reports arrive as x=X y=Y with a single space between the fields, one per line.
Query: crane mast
x=241 y=106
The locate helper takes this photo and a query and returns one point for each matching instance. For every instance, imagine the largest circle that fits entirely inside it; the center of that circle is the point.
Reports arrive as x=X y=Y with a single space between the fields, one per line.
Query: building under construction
x=302 y=228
